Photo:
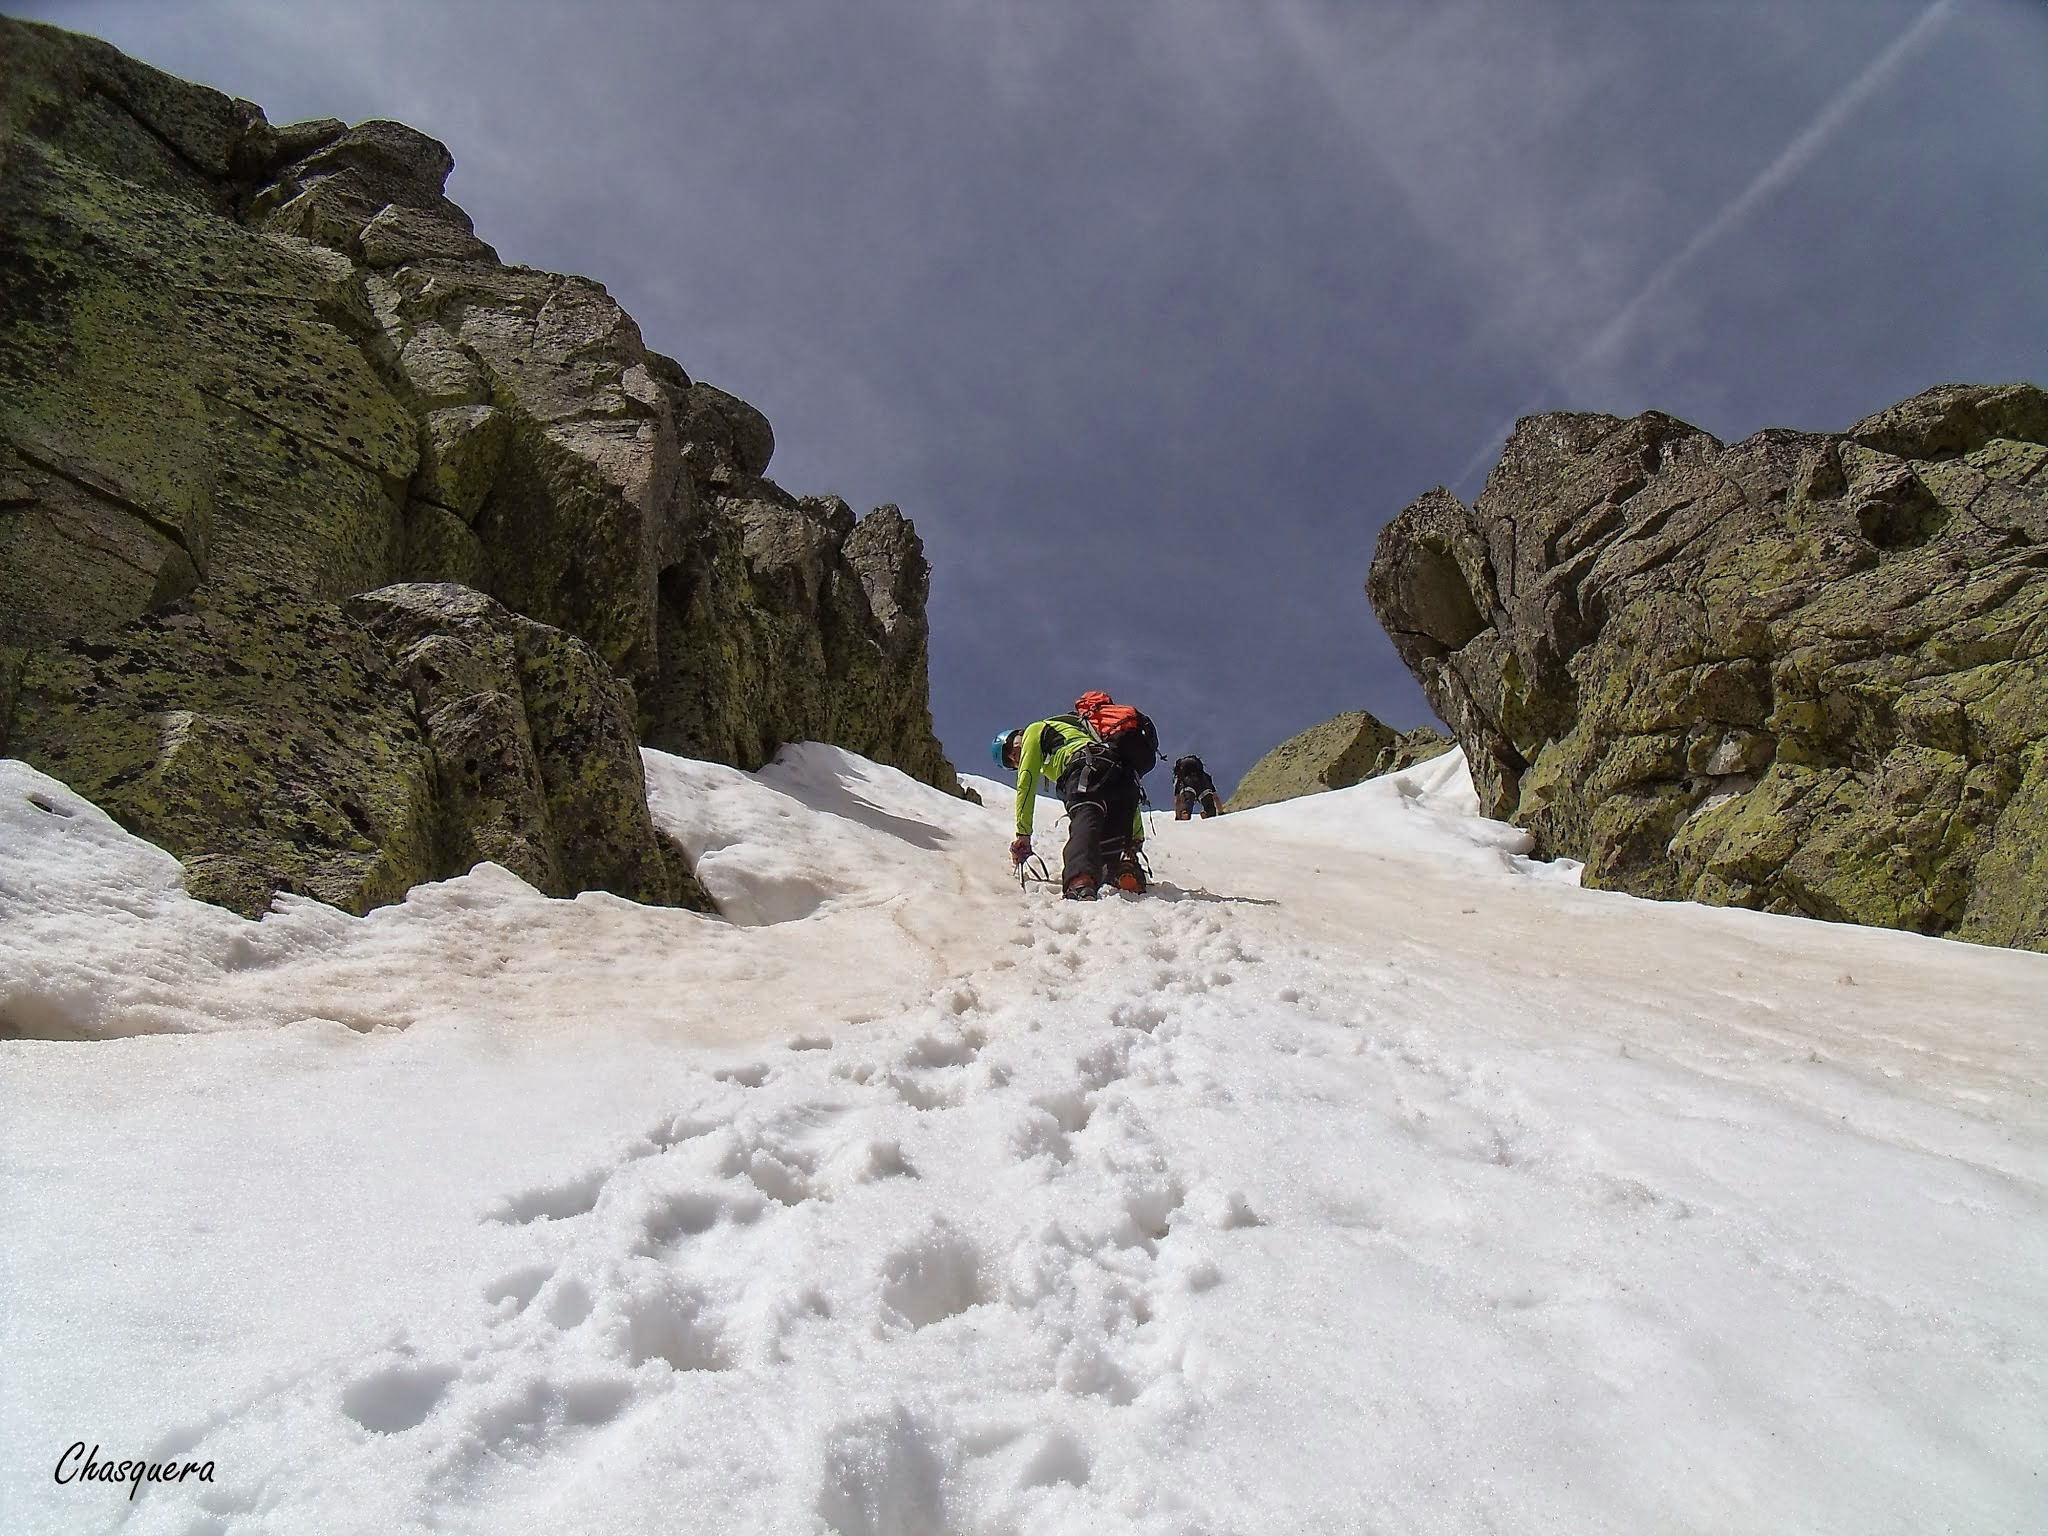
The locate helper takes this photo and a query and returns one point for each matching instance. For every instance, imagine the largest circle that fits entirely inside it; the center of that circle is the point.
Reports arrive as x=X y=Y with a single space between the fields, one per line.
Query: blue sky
x=1150 y=315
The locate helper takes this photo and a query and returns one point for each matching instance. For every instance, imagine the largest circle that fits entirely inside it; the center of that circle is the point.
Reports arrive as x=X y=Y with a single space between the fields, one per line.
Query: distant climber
x=1094 y=759
x=1193 y=787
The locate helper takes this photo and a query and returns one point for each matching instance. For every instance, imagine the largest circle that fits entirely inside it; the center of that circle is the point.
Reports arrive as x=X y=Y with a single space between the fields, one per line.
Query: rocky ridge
x=1806 y=673
x=336 y=555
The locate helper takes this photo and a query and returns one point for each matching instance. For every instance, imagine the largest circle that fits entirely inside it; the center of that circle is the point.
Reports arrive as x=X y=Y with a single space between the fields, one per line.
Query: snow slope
x=1364 y=1177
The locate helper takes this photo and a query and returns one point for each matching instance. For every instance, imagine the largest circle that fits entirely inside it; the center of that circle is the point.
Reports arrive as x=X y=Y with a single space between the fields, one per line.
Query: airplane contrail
x=1793 y=159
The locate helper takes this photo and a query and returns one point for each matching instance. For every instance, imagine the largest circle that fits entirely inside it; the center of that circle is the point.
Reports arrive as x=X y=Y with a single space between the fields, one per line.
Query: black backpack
x=1187 y=769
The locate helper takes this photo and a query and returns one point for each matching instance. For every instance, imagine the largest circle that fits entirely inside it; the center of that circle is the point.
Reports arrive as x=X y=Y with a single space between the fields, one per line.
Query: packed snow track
x=1364 y=1176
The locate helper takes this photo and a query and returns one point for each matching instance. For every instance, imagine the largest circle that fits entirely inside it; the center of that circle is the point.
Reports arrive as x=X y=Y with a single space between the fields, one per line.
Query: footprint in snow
x=934 y=1277
x=551 y=1202
x=892 y=1470
x=397 y=1396
x=569 y=1304
x=689 y=1213
x=752 y=1075
x=519 y=1286
x=1056 y=1458
x=664 y=1318
x=681 y=1128
x=944 y=1050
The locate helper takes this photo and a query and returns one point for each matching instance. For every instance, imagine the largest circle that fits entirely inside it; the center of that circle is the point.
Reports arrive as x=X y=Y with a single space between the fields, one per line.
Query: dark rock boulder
x=788 y=620
x=1806 y=673
x=249 y=374
x=373 y=192
x=725 y=439
x=348 y=752
x=1420 y=745
x=1334 y=755
x=264 y=739
x=531 y=737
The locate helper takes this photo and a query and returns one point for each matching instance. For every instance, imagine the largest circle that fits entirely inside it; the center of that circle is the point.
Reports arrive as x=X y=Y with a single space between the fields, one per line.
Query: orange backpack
x=1127 y=731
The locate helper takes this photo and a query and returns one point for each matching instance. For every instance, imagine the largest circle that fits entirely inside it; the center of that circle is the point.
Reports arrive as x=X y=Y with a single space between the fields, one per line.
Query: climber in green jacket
x=1099 y=791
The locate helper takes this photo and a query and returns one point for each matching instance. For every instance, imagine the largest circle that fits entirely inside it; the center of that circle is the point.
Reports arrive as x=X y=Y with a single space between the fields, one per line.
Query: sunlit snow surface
x=1367 y=1176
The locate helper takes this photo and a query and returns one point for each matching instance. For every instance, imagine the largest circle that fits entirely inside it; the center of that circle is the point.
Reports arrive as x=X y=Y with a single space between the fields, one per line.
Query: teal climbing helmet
x=1000 y=745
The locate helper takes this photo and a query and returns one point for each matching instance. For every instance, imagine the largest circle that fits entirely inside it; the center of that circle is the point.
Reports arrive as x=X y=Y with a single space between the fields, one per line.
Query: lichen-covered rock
x=348 y=752
x=1334 y=755
x=83 y=99
x=612 y=496
x=1807 y=673
x=179 y=391
x=263 y=739
x=247 y=372
x=790 y=621
x=895 y=717
x=396 y=236
x=1409 y=748
x=727 y=441
x=372 y=191
x=532 y=737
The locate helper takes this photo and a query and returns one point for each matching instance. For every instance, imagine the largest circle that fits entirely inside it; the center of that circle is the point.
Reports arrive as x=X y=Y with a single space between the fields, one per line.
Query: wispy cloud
x=1607 y=343
x=1794 y=159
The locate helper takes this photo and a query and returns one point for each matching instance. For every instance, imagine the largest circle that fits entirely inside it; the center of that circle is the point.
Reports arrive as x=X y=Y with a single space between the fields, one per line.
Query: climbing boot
x=1130 y=874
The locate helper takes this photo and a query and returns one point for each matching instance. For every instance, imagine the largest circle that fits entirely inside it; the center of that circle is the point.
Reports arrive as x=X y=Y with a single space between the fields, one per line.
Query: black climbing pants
x=1101 y=796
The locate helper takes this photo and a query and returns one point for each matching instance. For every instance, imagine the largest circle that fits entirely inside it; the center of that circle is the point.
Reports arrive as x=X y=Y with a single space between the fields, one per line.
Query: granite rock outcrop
x=1806 y=672
x=267 y=402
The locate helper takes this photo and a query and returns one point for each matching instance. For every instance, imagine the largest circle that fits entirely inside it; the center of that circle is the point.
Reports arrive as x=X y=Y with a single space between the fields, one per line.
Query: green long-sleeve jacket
x=1034 y=763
